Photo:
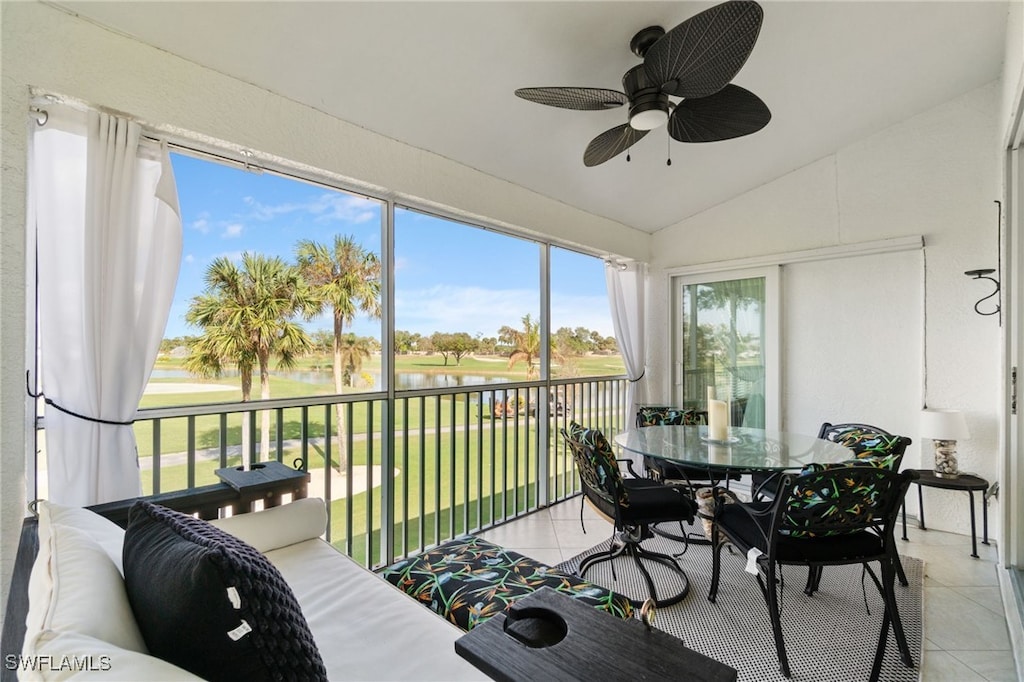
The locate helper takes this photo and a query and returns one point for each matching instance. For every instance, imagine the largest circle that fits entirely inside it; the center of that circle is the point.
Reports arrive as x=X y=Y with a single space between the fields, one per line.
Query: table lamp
x=945 y=428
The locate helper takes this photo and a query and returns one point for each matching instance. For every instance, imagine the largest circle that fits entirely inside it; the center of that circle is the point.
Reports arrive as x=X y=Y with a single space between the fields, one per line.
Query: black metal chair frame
x=833 y=432
x=761 y=483
x=693 y=477
x=770 y=520
x=603 y=490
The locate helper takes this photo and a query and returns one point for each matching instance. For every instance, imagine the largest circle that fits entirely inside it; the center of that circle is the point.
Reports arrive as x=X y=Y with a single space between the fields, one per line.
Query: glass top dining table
x=746 y=450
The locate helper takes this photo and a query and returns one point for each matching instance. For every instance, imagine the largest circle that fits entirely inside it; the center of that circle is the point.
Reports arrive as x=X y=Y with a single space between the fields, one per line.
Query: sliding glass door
x=726 y=331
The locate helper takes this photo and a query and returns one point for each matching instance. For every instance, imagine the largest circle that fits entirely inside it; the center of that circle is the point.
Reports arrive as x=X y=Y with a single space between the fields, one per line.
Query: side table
x=967 y=482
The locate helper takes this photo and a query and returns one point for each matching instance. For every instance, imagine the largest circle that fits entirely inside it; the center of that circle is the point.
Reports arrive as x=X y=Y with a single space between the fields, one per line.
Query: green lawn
x=477 y=473
x=466 y=477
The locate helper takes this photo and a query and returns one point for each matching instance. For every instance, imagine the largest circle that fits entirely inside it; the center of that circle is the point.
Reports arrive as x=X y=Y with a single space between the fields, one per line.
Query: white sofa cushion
x=75 y=585
x=365 y=627
x=74 y=656
x=278 y=526
x=105 y=532
x=108 y=534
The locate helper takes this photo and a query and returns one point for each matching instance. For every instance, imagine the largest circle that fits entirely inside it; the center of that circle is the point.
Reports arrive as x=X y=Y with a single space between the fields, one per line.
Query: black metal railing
x=402 y=473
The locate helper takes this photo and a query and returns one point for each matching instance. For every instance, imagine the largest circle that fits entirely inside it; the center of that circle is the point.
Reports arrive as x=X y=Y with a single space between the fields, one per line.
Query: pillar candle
x=718 y=420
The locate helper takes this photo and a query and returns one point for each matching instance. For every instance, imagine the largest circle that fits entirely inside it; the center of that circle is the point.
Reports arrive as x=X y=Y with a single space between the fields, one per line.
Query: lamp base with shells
x=946 y=465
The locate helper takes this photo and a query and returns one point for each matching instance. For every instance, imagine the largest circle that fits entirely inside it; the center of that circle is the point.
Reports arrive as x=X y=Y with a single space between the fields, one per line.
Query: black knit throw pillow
x=212 y=604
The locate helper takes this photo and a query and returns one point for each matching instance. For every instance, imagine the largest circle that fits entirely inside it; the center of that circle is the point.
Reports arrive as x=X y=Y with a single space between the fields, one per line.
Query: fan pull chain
x=627 y=157
x=668 y=150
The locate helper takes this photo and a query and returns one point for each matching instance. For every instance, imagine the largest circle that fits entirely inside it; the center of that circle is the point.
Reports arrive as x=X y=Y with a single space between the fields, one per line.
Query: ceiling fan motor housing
x=648 y=105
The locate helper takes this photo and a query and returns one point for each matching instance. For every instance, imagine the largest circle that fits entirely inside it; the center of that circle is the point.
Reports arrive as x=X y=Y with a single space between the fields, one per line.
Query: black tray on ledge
x=550 y=636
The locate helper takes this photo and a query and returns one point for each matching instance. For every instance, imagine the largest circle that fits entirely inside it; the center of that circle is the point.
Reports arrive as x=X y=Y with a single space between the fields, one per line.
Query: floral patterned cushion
x=469 y=580
x=820 y=500
x=605 y=466
x=864 y=442
x=657 y=415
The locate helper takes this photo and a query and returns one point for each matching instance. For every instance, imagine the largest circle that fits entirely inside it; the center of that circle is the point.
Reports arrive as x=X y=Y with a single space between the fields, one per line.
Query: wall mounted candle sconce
x=984 y=273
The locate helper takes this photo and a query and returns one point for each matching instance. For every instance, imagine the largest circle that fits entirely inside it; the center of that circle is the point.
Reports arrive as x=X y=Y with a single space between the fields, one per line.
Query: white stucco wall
x=59 y=53
x=936 y=175
x=1013 y=68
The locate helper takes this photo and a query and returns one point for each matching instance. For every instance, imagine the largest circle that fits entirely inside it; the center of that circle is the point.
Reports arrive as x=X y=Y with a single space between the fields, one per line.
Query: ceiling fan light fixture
x=648 y=115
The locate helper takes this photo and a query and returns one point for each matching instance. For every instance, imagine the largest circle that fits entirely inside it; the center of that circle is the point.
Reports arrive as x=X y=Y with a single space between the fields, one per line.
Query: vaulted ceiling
x=440 y=76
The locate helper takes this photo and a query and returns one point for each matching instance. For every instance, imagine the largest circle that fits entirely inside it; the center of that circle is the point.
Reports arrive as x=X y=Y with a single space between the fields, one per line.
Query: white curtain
x=108 y=252
x=626 y=299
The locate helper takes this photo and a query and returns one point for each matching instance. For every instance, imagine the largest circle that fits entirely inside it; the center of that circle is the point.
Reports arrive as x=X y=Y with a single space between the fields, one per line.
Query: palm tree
x=346 y=280
x=246 y=317
x=525 y=344
x=354 y=349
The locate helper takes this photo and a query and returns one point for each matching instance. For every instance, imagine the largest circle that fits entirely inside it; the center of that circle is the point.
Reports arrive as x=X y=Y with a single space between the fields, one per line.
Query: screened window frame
x=251 y=161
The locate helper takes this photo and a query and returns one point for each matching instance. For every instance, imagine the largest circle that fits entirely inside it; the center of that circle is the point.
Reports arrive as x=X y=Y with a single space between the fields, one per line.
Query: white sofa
x=80 y=624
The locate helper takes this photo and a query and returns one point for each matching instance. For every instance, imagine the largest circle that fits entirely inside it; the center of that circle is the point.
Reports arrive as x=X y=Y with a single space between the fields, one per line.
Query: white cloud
x=190 y=259
x=346 y=208
x=478 y=310
x=462 y=309
x=202 y=223
x=232 y=230
x=327 y=207
x=591 y=312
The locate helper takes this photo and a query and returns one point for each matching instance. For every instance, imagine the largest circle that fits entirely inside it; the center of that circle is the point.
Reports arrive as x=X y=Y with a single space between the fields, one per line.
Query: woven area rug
x=829 y=637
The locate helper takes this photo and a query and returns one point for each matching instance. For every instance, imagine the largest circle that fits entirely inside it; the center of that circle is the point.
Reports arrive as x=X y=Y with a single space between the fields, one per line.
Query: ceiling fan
x=694 y=61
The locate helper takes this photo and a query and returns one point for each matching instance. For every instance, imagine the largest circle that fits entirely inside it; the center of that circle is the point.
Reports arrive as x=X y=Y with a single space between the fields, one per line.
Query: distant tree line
x=578 y=341
x=457 y=345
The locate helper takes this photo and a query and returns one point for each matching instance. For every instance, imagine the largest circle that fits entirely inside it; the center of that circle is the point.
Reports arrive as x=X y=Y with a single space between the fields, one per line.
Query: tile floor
x=965 y=634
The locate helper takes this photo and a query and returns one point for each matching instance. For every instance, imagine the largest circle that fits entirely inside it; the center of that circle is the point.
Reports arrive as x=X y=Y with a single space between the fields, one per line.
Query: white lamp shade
x=944 y=424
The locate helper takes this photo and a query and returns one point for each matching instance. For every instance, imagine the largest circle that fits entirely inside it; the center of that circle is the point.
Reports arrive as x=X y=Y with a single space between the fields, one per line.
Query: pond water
x=405 y=381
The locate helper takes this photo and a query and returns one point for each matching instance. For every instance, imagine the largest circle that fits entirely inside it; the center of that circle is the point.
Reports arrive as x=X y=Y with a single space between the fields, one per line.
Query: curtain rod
x=177 y=146
x=254 y=166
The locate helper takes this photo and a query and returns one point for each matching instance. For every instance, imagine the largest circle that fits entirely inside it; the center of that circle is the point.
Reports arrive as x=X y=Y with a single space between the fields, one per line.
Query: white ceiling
x=440 y=76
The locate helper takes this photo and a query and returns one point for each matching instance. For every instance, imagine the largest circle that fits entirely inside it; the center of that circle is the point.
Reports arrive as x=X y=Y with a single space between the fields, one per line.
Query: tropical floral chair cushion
x=866 y=441
x=469 y=580
x=660 y=415
x=822 y=503
x=869 y=445
x=603 y=466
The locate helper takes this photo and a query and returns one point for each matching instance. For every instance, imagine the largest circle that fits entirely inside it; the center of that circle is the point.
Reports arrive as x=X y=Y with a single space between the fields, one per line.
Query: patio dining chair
x=662 y=470
x=863 y=440
x=868 y=444
x=827 y=515
x=670 y=472
x=631 y=505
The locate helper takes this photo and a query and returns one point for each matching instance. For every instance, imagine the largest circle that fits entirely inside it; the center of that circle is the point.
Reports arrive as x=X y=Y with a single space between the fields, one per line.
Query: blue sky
x=449 y=277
